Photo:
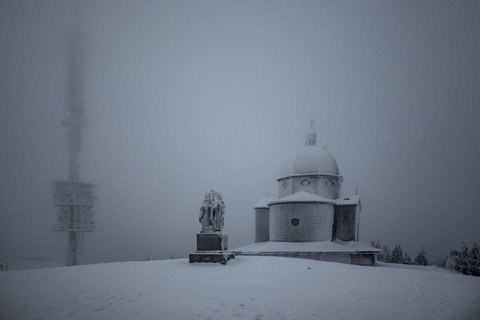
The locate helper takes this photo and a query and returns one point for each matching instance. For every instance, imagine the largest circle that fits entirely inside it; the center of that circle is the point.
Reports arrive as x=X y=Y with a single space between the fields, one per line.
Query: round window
x=295 y=222
x=305 y=182
x=330 y=182
x=285 y=184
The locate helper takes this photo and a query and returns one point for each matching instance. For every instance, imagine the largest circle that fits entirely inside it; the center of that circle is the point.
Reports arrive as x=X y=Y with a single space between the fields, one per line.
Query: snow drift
x=246 y=288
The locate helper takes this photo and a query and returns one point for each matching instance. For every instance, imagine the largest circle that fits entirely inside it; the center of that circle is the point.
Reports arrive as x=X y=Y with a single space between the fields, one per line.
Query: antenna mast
x=74 y=199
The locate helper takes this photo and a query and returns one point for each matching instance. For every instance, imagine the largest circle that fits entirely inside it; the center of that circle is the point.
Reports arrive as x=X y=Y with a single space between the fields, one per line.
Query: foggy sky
x=182 y=97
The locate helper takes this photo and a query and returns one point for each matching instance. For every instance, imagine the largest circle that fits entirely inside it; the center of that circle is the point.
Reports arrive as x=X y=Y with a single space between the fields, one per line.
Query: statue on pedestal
x=212 y=244
x=211 y=213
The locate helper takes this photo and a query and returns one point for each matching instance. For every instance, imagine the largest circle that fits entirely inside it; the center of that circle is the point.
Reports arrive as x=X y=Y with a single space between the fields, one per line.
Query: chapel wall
x=285 y=187
x=315 y=221
x=305 y=183
x=328 y=187
x=345 y=223
x=262 y=224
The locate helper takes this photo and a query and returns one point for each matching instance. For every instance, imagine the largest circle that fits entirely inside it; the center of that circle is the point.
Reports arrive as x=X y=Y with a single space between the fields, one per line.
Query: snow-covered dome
x=310 y=160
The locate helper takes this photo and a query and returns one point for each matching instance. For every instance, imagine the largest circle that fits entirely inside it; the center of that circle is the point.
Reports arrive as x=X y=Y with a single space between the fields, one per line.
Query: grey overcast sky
x=185 y=96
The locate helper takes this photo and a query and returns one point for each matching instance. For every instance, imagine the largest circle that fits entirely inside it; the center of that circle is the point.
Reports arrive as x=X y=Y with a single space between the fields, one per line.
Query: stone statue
x=212 y=244
x=211 y=213
x=205 y=217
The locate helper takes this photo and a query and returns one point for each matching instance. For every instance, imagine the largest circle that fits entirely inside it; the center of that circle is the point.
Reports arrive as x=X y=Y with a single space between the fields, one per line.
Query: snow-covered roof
x=263 y=203
x=310 y=160
x=353 y=199
x=313 y=246
x=302 y=196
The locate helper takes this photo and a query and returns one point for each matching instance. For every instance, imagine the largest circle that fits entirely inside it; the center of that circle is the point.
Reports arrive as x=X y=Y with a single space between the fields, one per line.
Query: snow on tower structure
x=74 y=199
x=310 y=218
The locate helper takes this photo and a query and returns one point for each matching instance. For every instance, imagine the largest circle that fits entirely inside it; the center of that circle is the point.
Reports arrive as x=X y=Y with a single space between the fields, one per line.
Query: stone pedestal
x=211 y=247
x=212 y=242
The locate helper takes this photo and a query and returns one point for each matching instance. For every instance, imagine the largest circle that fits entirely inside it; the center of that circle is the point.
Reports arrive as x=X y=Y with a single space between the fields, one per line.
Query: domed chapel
x=310 y=218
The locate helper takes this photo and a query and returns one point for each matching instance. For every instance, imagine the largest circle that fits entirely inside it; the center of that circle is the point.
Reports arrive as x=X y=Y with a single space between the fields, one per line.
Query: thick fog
x=181 y=97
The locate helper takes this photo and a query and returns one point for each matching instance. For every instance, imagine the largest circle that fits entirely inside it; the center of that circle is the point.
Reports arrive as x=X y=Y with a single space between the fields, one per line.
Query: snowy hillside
x=246 y=288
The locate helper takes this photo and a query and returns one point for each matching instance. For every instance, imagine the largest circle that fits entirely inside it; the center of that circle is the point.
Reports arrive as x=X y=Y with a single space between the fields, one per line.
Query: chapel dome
x=310 y=160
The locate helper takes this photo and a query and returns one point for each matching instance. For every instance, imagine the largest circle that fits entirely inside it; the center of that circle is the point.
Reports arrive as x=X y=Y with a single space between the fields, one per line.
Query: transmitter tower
x=74 y=199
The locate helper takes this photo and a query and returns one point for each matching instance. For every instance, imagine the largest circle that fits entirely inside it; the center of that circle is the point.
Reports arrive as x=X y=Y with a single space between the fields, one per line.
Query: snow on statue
x=211 y=212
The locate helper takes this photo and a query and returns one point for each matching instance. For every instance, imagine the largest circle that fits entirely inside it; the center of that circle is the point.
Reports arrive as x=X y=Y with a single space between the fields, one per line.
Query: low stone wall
x=364 y=259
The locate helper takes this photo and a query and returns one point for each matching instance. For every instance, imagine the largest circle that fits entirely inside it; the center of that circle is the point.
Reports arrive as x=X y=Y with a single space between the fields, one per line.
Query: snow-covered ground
x=246 y=288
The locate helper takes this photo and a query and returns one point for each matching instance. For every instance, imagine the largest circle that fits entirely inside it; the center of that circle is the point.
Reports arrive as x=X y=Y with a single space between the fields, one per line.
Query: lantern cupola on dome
x=310 y=159
x=311 y=137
